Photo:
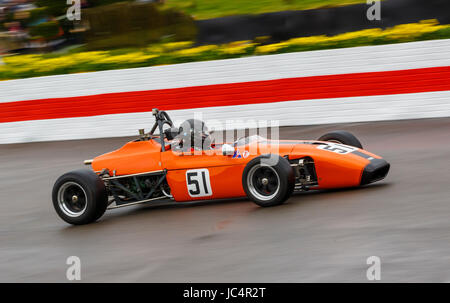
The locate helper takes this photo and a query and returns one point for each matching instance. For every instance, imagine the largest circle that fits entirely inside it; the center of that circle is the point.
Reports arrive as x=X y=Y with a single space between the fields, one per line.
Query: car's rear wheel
x=80 y=197
x=341 y=137
x=267 y=183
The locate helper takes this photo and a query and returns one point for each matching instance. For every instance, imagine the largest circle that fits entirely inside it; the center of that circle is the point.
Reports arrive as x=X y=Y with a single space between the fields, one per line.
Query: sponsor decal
x=237 y=154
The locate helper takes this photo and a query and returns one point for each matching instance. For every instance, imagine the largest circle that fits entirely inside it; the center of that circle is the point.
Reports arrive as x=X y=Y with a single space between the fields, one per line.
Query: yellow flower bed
x=400 y=32
x=413 y=29
x=308 y=40
x=89 y=56
x=177 y=45
x=47 y=65
x=127 y=58
x=175 y=52
x=270 y=48
x=237 y=47
x=21 y=60
x=169 y=47
x=195 y=50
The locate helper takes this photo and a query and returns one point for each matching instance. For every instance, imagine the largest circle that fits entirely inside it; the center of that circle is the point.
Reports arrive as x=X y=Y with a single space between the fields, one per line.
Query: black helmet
x=193 y=133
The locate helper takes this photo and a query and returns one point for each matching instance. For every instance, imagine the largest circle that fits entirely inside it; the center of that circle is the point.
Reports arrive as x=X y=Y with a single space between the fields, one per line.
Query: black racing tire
x=343 y=137
x=268 y=185
x=80 y=197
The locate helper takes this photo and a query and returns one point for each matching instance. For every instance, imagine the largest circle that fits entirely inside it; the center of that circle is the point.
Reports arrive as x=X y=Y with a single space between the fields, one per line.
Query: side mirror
x=142 y=134
x=227 y=150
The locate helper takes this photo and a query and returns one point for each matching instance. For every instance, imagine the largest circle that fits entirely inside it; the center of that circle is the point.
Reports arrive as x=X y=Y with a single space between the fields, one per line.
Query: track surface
x=315 y=237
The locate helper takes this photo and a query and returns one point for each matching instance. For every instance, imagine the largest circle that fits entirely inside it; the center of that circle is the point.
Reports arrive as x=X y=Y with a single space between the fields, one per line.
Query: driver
x=193 y=135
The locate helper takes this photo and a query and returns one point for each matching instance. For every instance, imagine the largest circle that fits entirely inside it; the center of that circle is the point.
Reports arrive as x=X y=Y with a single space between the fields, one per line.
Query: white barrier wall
x=388 y=82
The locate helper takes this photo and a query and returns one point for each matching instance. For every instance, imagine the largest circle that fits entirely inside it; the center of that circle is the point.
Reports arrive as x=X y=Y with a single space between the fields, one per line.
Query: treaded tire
x=281 y=173
x=342 y=136
x=90 y=189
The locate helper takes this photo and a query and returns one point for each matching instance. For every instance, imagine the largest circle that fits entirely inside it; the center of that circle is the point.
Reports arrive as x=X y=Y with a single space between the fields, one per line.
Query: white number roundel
x=198 y=183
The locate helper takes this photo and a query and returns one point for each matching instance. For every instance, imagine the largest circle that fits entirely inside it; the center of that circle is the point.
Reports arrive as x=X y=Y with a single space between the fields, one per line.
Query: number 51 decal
x=198 y=183
x=337 y=148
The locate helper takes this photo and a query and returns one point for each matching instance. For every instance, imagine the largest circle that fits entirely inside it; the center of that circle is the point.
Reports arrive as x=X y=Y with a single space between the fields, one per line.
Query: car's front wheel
x=80 y=197
x=268 y=180
x=342 y=137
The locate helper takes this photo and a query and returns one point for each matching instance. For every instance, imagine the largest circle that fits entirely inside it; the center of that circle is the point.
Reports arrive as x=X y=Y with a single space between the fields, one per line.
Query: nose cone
x=376 y=170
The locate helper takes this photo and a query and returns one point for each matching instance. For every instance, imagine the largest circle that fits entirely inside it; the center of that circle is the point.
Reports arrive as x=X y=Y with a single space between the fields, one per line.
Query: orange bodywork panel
x=225 y=172
x=132 y=158
x=226 y=182
x=333 y=170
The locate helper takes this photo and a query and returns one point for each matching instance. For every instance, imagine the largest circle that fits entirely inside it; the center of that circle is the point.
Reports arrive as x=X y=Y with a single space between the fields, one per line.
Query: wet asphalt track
x=315 y=237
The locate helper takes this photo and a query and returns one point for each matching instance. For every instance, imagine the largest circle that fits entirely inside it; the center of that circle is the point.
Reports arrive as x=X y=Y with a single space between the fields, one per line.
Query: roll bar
x=161 y=118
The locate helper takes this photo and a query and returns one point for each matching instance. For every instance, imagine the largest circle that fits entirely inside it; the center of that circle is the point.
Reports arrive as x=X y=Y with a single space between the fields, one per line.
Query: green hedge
x=135 y=25
x=45 y=30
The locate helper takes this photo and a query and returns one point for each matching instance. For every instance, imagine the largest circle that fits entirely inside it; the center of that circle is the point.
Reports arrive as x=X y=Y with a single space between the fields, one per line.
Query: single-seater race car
x=172 y=165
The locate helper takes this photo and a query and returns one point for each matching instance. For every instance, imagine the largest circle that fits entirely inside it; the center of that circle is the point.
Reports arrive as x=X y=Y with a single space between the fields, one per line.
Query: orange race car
x=184 y=164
